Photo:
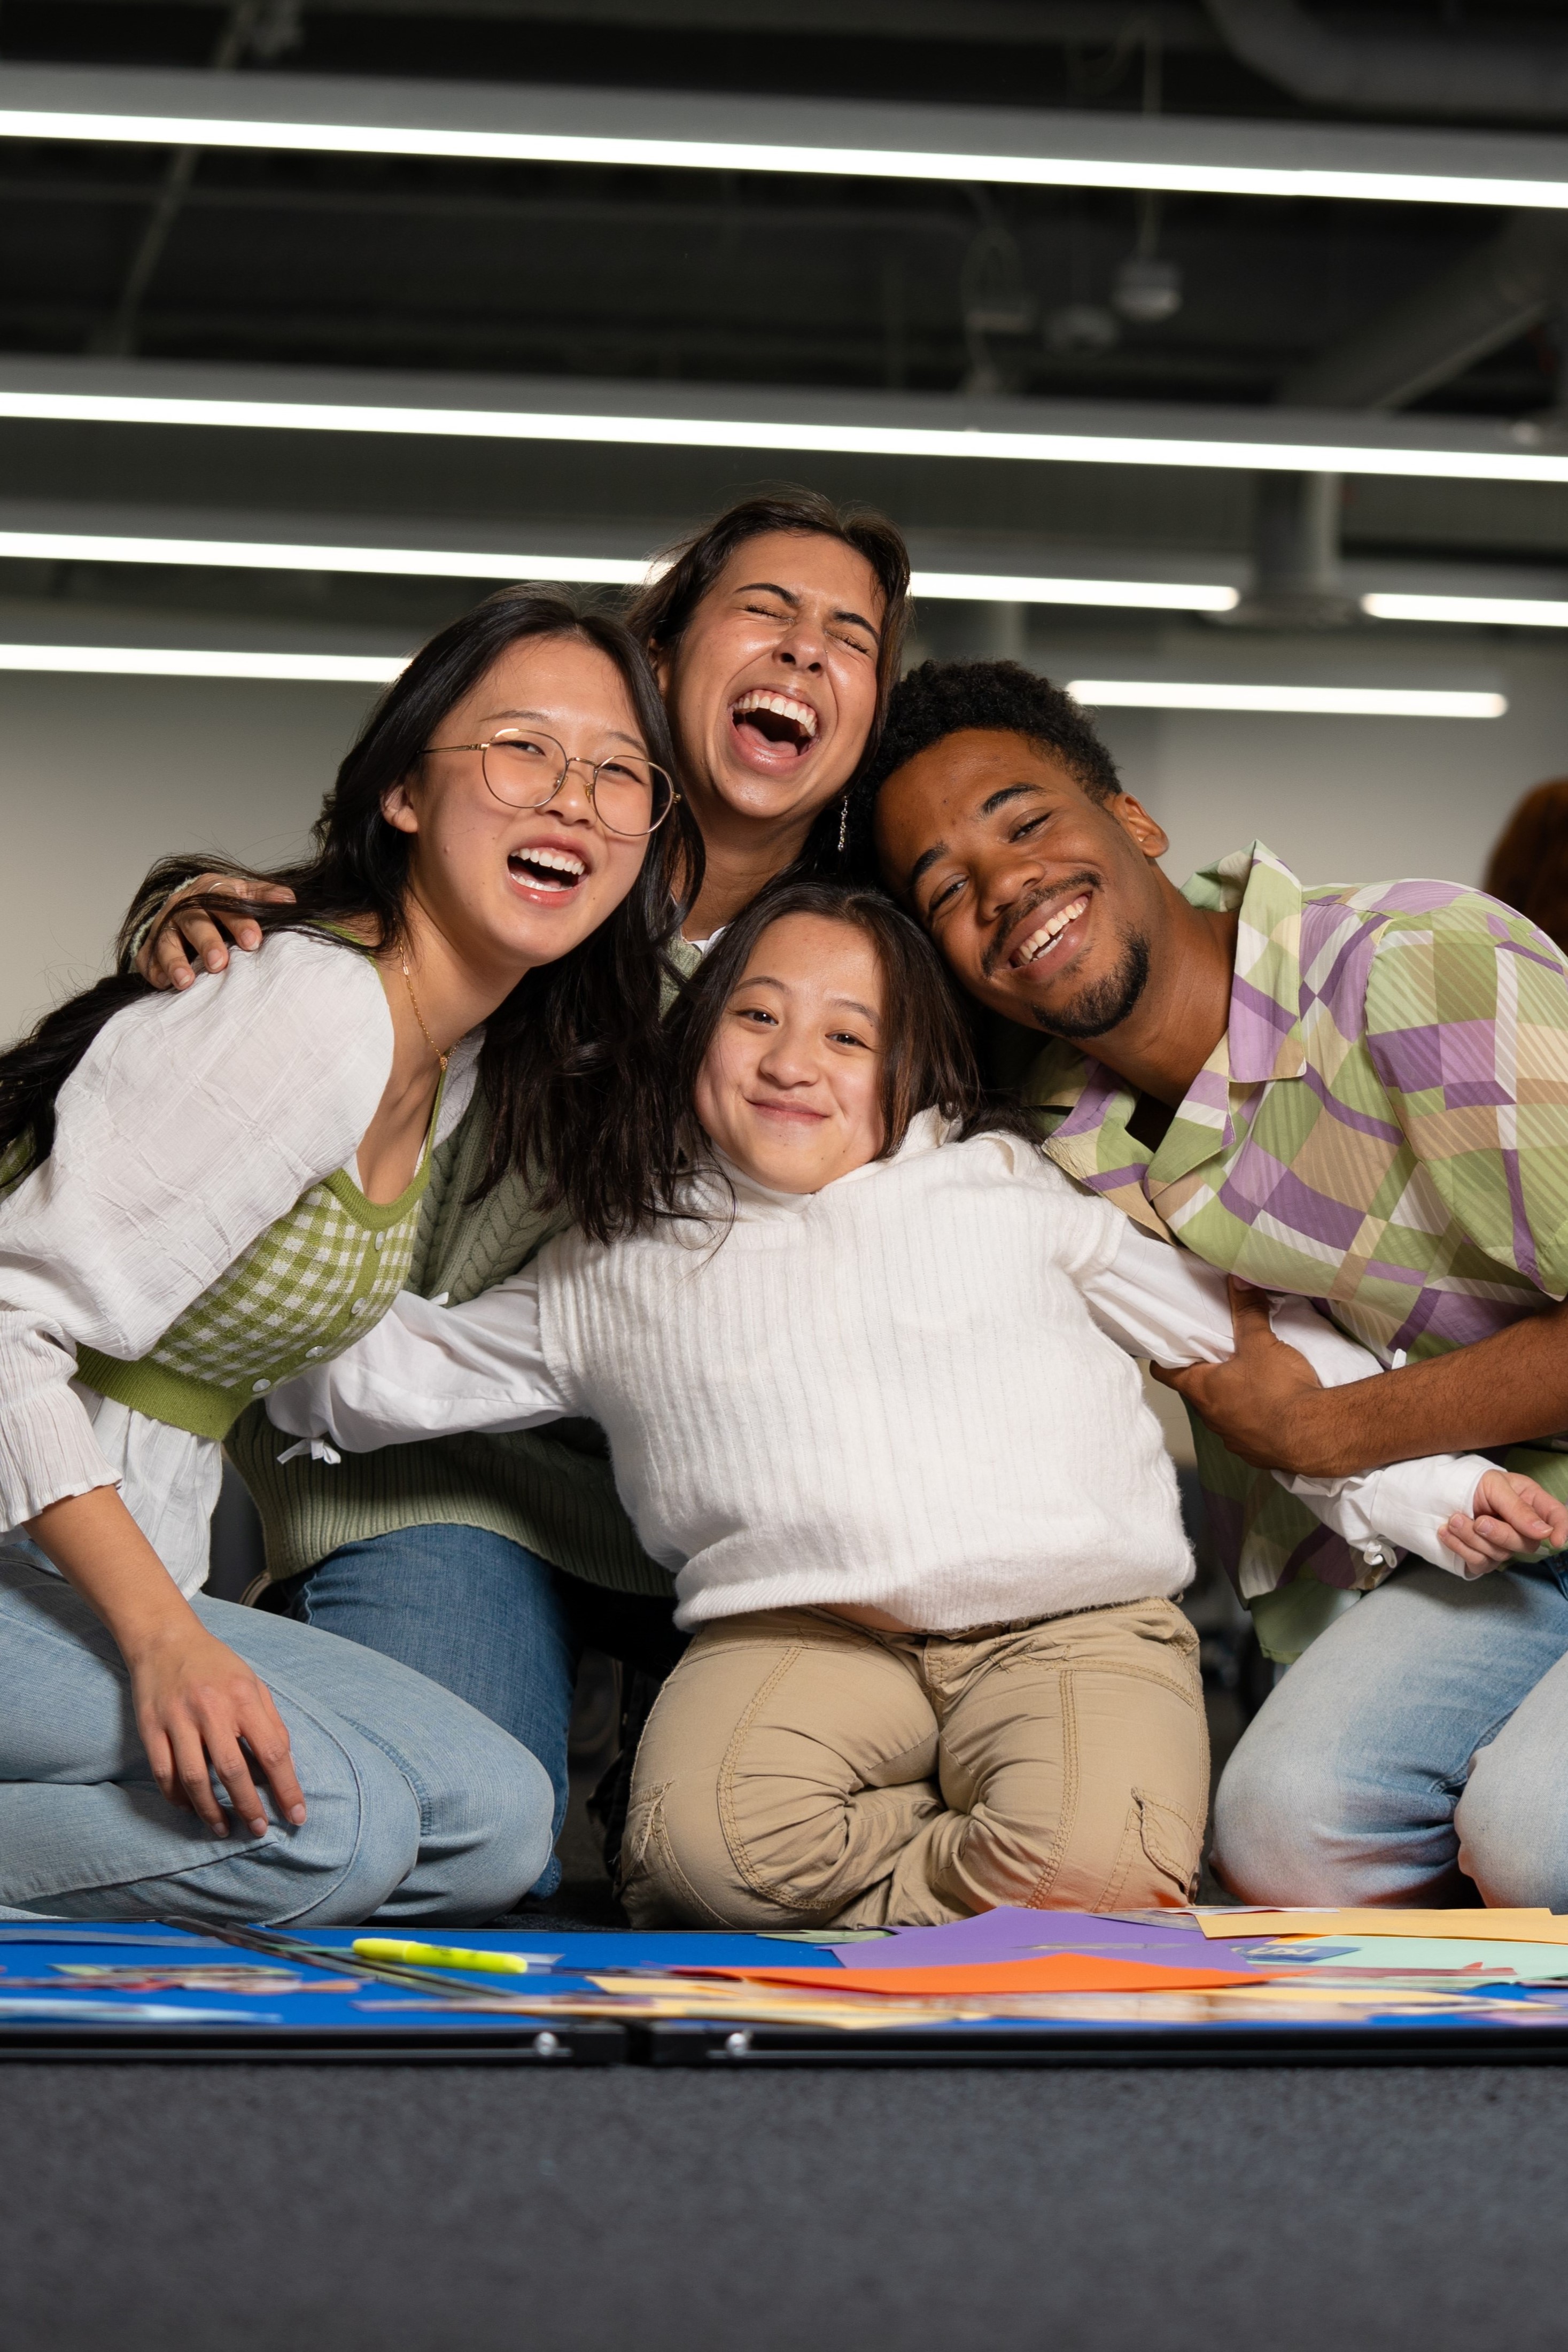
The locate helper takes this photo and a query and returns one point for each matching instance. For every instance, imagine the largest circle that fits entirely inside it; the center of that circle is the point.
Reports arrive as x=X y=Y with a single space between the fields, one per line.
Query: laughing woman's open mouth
x=547 y=870
x=774 y=730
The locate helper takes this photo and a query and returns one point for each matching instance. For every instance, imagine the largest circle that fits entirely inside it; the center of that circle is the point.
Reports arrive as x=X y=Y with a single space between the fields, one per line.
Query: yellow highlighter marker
x=446 y=1955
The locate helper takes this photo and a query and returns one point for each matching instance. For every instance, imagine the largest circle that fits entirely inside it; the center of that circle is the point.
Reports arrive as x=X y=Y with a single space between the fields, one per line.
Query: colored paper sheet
x=1013 y=1933
x=833 y=1936
x=1286 y=2002
x=1043 y=1972
x=1419 y=1955
x=1515 y=1926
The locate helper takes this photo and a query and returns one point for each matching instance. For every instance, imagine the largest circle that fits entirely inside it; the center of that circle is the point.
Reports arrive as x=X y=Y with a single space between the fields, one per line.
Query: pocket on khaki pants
x=1171 y=1841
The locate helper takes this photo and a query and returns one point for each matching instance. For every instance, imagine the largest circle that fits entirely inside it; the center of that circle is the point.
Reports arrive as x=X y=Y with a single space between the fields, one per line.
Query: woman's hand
x=201 y=1710
x=183 y=937
x=1509 y=1515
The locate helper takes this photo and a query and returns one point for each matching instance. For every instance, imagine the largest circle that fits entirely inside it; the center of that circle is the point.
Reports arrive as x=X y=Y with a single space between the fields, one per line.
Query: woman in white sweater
x=201 y=1194
x=869 y=1391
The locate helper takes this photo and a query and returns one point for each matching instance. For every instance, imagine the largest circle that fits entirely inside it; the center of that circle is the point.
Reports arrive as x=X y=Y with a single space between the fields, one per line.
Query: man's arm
x=1265 y=1403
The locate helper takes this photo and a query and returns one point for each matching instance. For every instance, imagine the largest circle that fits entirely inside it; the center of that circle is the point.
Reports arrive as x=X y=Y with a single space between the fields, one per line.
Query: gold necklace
x=409 y=982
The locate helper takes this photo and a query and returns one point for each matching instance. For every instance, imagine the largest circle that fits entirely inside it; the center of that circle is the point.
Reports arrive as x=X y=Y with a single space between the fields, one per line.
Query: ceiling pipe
x=1484 y=301
x=1478 y=305
x=1395 y=73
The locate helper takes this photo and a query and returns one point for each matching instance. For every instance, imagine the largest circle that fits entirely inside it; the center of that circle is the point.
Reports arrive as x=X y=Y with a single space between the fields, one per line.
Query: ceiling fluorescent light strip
x=436 y=564
x=693 y=153
x=379 y=669
x=1330 y=702
x=1147 y=595
x=840 y=438
x=1508 y=612
x=169 y=661
x=277 y=555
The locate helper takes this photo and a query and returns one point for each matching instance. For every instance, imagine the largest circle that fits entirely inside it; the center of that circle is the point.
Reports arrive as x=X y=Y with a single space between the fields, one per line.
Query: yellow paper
x=1470 y=1927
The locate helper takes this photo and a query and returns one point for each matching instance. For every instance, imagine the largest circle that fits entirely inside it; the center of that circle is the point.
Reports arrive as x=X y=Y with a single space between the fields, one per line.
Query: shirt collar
x=927 y=1131
x=1264 y=1032
x=1262 y=1040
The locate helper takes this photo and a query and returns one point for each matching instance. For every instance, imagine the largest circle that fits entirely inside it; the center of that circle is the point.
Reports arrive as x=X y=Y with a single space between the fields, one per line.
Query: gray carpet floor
x=162 y=2208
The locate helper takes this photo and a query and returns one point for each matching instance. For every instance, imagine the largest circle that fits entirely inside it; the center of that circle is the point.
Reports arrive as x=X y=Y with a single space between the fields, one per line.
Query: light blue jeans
x=1421 y=1743
x=418 y=1808
x=474 y=1612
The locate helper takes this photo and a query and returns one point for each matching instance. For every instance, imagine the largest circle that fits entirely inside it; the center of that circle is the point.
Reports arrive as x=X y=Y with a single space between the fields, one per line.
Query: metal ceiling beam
x=1015 y=24
x=117 y=336
x=641 y=414
x=300 y=113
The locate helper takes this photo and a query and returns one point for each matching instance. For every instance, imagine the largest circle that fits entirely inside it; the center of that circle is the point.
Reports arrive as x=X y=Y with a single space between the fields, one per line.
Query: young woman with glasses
x=201 y=1193
x=490 y=1562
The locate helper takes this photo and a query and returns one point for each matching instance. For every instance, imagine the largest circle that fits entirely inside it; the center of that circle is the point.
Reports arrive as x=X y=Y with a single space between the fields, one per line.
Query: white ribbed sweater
x=892 y=1393
x=889 y=1392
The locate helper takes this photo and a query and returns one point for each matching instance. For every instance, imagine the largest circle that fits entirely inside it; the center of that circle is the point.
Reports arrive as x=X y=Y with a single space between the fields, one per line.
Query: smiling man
x=1358 y=1095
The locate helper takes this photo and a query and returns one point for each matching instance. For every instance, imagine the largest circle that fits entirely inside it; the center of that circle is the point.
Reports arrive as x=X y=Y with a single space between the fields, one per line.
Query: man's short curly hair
x=943 y=699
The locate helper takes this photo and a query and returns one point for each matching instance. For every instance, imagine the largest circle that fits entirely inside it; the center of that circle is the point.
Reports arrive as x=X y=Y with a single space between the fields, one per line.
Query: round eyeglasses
x=630 y=796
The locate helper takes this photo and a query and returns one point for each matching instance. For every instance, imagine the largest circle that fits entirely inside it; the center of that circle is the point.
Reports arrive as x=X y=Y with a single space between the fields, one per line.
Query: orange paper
x=1050 y=1972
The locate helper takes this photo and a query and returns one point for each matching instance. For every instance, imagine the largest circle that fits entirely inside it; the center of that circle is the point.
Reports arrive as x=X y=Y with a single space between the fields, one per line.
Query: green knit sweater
x=551 y=1492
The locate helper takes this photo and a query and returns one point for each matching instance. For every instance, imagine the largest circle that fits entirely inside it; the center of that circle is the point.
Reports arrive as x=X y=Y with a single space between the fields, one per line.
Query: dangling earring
x=844 y=824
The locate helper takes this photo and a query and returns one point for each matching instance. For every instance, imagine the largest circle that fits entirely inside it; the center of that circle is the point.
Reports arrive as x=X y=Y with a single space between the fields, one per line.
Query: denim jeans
x=419 y=1808
x=474 y=1613
x=492 y=1622
x=1421 y=1743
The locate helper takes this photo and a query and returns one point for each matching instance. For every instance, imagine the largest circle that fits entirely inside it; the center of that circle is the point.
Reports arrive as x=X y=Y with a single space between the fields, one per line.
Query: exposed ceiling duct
x=1410 y=349
x=1396 y=73
x=1483 y=302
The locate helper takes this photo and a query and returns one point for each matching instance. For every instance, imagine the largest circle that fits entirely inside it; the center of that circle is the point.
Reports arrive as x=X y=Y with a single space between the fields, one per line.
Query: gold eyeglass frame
x=569 y=759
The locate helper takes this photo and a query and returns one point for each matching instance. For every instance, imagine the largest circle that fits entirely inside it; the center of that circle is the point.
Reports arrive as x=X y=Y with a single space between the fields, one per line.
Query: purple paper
x=1014 y=1935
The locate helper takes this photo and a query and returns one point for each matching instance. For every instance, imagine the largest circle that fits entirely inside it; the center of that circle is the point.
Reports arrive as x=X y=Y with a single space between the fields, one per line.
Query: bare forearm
x=1501 y=1391
x=100 y=1549
x=1265 y=1405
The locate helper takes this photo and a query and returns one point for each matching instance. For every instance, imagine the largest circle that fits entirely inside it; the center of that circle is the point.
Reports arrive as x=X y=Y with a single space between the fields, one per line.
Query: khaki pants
x=799 y=1770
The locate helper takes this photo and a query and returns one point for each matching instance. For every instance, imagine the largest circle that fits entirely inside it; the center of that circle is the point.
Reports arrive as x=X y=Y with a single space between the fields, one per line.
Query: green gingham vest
x=319 y=1277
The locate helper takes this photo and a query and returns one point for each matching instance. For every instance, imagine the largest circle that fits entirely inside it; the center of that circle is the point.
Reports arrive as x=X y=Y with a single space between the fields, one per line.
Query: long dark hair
x=928 y=1056
x=661 y=611
x=571 y=1058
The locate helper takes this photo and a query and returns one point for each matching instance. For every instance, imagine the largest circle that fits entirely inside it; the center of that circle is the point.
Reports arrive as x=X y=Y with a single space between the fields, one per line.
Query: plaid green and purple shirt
x=1384 y=1127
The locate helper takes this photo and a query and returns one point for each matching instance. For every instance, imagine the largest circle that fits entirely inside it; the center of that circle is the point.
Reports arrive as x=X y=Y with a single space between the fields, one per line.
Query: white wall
x=1348 y=799
x=100 y=775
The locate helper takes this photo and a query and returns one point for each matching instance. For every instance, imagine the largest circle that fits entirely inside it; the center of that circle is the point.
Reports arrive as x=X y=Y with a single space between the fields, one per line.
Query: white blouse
x=190 y=1124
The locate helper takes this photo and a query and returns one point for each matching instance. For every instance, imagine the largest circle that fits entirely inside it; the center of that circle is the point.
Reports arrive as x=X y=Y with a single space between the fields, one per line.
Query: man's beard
x=1105 y=1003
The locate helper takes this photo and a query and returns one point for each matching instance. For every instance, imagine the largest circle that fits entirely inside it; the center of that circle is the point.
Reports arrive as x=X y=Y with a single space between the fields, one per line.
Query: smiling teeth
x=784 y=706
x=1038 y=941
x=558 y=861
